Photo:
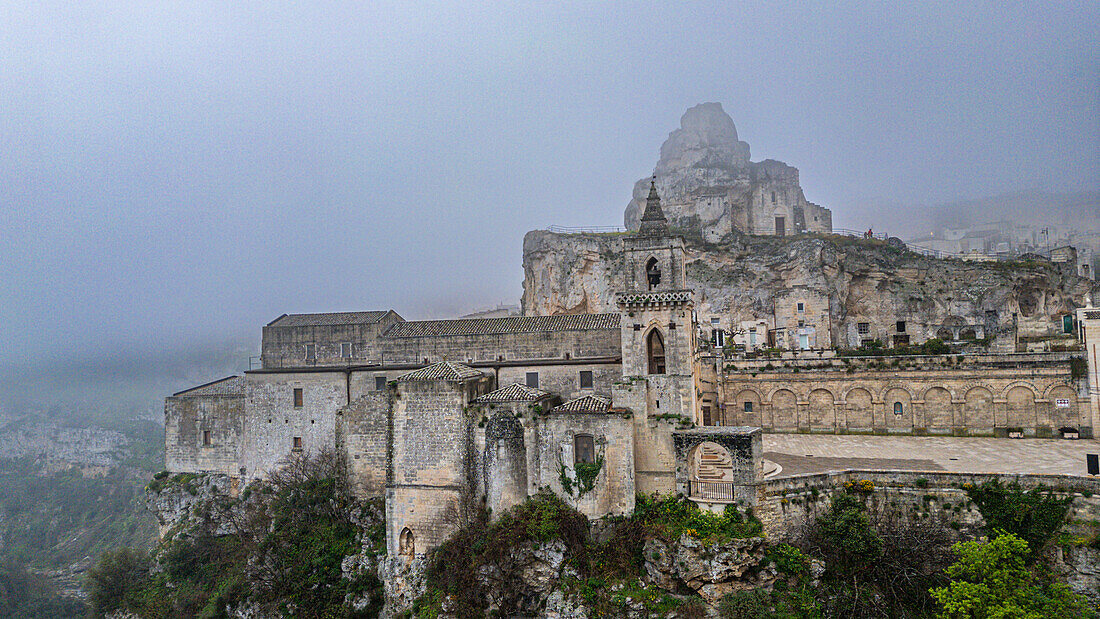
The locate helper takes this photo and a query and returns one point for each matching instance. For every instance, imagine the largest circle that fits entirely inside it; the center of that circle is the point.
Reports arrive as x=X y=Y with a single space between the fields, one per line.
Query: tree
x=118 y=574
x=992 y=580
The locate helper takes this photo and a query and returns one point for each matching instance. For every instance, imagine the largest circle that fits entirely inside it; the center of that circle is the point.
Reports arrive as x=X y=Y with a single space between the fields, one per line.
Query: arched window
x=899 y=408
x=655 y=347
x=653 y=273
x=584 y=449
x=405 y=543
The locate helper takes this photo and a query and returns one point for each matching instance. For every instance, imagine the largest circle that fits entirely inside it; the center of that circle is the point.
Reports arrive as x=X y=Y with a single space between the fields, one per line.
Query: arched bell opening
x=655 y=352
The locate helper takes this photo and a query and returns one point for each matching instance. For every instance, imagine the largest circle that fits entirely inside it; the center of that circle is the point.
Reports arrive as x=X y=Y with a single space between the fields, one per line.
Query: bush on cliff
x=992 y=579
x=279 y=548
x=877 y=563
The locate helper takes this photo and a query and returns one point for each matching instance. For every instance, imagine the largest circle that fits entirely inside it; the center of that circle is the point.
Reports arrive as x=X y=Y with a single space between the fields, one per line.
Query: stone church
x=442 y=417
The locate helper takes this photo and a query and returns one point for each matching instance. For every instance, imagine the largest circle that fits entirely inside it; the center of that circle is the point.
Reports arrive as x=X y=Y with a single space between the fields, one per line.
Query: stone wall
x=187 y=419
x=786 y=505
x=613 y=437
x=431 y=478
x=272 y=421
x=580 y=344
x=970 y=399
x=362 y=437
x=563 y=379
x=284 y=347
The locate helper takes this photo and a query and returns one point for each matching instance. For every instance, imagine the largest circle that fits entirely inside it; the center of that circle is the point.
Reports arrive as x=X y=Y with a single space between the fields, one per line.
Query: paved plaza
x=810 y=453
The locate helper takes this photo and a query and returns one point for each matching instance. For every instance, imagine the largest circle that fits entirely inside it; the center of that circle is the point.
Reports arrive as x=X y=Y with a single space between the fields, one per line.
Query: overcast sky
x=175 y=174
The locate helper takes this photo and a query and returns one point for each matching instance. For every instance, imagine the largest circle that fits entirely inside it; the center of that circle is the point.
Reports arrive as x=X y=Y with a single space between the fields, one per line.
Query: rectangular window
x=379 y=383
x=298 y=398
x=206 y=441
x=707 y=421
x=748 y=407
x=345 y=350
x=901 y=326
x=773 y=197
x=801 y=323
x=863 y=327
x=719 y=338
x=801 y=307
x=297 y=443
x=586 y=379
x=311 y=352
x=533 y=379
x=584 y=449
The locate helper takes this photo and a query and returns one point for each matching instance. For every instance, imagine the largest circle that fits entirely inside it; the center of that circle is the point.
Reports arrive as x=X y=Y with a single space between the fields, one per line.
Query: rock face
x=711 y=571
x=709 y=186
x=845 y=281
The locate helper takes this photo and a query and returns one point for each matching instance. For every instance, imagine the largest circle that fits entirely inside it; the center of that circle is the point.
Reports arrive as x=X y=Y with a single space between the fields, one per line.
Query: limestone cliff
x=852 y=281
x=709 y=186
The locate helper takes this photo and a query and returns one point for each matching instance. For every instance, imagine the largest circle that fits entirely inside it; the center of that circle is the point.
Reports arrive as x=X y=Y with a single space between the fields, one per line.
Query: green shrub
x=1034 y=516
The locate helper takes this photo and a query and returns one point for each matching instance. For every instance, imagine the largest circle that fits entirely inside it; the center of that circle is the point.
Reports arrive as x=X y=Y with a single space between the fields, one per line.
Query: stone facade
x=1036 y=394
x=202 y=428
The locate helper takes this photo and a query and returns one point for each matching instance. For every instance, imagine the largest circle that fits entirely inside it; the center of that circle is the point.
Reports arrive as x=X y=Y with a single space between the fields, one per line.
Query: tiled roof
x=511 y=324
x=328 y=319
x=230 y=385
x=585 y=404
x=444 y=370
x=513 y=393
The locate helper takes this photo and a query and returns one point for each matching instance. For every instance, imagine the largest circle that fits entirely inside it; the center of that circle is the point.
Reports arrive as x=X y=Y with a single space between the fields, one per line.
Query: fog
x=174 y=175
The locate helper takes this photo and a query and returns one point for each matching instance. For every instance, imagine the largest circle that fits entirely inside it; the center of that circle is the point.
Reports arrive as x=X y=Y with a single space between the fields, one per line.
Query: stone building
x=445 y=417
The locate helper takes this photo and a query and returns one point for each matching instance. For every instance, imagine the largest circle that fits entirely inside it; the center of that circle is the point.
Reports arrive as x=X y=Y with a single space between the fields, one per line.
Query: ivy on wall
x=584 y=478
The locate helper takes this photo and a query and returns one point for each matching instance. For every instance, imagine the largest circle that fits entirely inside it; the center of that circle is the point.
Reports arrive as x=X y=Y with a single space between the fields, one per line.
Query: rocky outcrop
x=709 y=187
x=851 y=280
x=708 y=570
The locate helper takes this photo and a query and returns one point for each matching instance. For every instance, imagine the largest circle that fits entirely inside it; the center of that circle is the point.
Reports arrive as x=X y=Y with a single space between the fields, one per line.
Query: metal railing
x=589 y=230
x=858 y=234
x=711 y=490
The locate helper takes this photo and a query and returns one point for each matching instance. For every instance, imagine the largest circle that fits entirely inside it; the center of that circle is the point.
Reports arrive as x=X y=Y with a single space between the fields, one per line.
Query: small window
x=901 y=326
x=801 y=323
x=533 y=380
x=206 y=440
x=801 y=307
x=297 y=443
x=311 y=352
x=586 y=379
x=707 y=421
x=345 y=350
x=773 y=197
x=379 y=383
x=748 y=407
x=898 y=408
x=719 y=337
x=863 y=327
x=298 y=399
x=406 y=544
x=584 y=449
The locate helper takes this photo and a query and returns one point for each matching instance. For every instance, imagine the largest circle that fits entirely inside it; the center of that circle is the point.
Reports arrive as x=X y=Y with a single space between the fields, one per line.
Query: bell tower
x=660 y=365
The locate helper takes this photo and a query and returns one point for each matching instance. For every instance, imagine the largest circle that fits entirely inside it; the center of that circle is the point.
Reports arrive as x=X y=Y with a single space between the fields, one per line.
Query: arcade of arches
x=1039 y=405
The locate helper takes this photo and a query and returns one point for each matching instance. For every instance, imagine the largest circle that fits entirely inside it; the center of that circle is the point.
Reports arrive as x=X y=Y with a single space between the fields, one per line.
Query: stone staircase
x=713 y=464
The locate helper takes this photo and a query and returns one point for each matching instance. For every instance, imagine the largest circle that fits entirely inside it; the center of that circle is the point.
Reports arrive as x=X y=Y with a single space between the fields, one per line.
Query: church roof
x=329 y=319
x=444 y=370
x=653 y=218
x=585 y=404
x=230 y=386
x=513 y=393
x=510 y=324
